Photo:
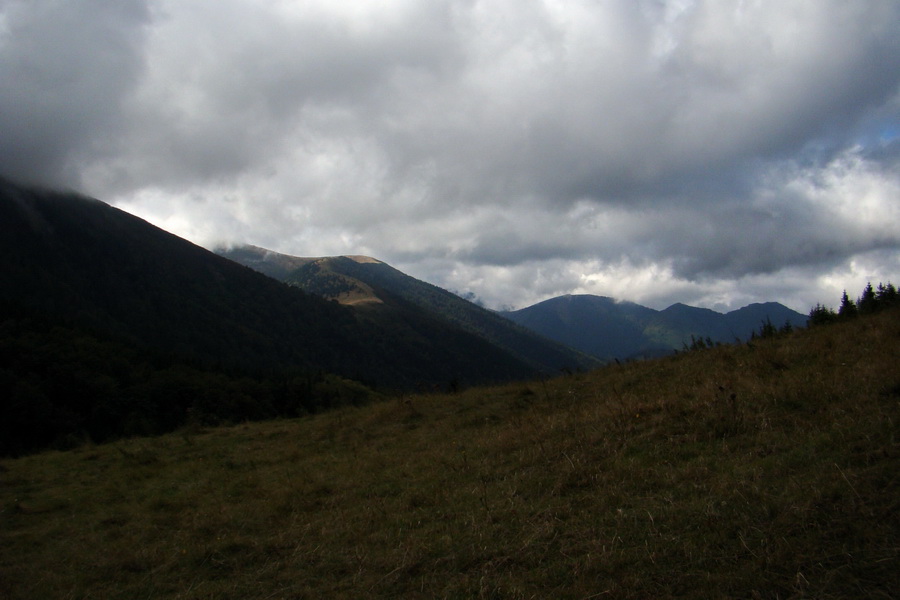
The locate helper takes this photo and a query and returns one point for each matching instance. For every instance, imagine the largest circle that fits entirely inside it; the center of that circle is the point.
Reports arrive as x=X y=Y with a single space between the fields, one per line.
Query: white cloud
x=709 y=152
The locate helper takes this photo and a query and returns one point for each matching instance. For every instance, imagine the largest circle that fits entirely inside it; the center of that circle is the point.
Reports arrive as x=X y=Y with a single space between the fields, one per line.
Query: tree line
x=872 y=300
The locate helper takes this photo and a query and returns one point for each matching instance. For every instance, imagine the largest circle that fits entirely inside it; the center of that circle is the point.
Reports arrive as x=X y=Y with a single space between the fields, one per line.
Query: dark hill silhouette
x=78 y=259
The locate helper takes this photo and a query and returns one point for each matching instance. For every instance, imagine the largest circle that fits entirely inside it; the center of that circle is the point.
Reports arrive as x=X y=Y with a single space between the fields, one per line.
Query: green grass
x=763 y=471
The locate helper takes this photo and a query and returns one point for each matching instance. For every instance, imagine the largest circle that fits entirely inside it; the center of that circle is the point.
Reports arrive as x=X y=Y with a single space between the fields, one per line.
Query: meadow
x=760 y=470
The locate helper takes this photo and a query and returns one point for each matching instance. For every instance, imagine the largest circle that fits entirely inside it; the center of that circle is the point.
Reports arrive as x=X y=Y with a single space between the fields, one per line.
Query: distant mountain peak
x=612 y=329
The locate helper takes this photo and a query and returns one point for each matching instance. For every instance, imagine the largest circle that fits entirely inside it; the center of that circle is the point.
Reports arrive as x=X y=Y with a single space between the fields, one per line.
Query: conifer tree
x=848 y=308
x=886 y=295
x=767 y=330
x=867 y=304
x=820 y=315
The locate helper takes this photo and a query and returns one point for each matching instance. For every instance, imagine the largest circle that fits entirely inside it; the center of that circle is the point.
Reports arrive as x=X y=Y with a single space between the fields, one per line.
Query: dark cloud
x=715 y=152
x=65 y=69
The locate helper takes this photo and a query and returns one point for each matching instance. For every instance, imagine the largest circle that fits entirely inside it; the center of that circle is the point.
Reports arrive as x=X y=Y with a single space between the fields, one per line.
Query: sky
x=715 y=153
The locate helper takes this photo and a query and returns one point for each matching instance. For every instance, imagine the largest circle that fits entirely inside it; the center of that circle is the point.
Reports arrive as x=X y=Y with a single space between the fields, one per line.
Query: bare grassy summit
x=766 y=470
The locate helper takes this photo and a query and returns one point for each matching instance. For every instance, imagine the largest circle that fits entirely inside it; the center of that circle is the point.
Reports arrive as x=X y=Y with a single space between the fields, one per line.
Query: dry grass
x=749 y=472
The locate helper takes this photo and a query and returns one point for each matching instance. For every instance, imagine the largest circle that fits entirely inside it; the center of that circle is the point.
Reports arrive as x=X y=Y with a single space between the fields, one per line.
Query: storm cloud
x=713 y=153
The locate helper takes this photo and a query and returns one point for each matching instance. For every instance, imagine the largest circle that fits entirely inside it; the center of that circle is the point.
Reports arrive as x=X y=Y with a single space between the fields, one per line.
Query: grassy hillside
x=756 y=471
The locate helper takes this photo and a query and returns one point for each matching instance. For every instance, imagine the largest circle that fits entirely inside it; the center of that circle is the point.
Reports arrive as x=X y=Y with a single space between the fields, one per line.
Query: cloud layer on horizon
x=714 y=153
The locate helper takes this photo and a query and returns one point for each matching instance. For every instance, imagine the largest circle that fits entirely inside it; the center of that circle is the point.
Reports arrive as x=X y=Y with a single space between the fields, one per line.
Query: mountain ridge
x=612 y=329
x=376 y=288
x=602 y=327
